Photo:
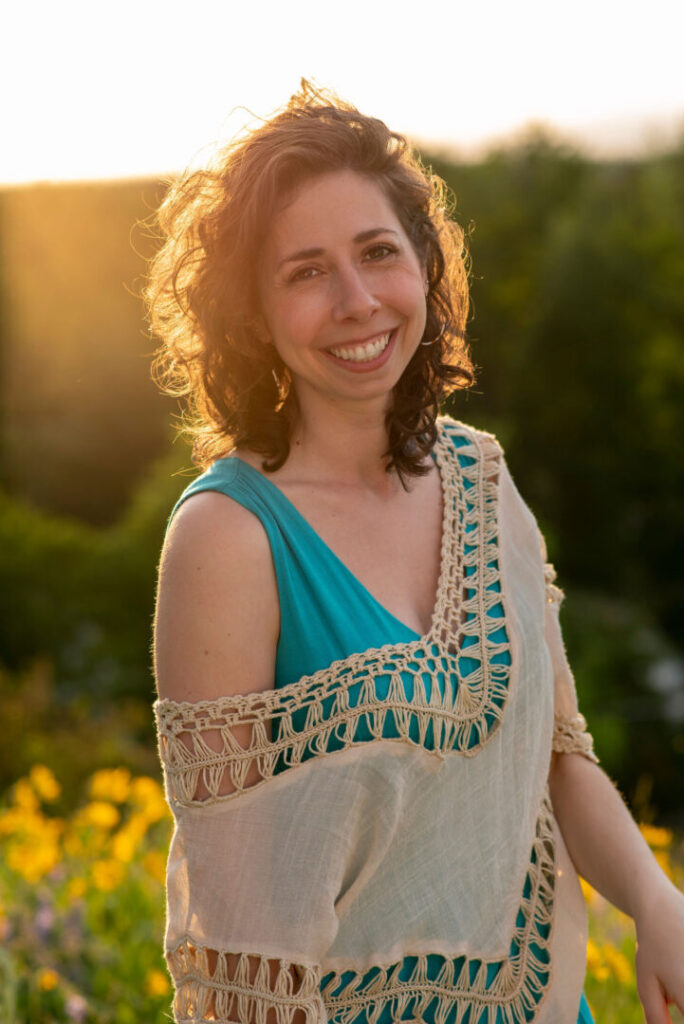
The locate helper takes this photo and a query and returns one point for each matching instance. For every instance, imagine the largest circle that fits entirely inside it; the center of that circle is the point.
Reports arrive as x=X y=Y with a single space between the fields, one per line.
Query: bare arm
x=604 y=842
x=608 y=850
x=216 y=631
x=217 y=620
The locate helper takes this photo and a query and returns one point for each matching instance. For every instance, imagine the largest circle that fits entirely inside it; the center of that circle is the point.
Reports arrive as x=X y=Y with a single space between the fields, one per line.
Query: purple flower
x=44 y=921
x=76 y=1008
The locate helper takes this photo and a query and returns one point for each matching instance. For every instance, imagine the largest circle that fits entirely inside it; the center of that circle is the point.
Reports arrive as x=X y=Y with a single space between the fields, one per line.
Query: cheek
x=420 y=310
x=293 y=322
x=414 y=299
x=409 y=282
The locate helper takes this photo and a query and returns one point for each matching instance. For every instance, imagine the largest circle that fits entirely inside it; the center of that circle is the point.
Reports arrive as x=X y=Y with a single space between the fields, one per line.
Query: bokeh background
x=560 y=130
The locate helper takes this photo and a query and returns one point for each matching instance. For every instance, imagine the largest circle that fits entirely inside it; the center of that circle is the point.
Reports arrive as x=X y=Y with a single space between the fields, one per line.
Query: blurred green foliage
x=577 y=328
x=80 y=597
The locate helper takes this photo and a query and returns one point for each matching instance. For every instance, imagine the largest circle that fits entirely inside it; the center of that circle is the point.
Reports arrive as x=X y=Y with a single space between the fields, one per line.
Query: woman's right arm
x=216 y=631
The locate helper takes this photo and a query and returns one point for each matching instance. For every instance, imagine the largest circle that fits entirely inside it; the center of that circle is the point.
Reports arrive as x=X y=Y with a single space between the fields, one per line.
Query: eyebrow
x=363 y=236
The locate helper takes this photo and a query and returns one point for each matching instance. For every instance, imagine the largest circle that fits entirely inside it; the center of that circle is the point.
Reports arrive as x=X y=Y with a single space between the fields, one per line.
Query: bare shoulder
x=217 y=617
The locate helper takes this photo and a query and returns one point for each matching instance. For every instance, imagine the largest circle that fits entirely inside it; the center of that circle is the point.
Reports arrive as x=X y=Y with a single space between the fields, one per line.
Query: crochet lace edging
x=328 y=710
x=241 y=987
x=570 y=736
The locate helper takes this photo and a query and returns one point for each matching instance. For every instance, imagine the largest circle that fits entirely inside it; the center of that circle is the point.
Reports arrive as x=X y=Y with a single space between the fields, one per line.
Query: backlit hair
x=202 y=286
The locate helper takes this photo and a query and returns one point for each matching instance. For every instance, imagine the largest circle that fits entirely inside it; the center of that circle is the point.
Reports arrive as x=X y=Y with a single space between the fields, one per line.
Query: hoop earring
x=283 y=385
x=439 y=336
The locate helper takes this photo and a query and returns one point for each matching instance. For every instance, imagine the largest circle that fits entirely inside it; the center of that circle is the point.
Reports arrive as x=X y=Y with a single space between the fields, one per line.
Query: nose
x=353 y=298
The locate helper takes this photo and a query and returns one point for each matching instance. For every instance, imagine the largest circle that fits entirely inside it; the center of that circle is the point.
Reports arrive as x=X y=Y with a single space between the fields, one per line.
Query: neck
x=347 y=445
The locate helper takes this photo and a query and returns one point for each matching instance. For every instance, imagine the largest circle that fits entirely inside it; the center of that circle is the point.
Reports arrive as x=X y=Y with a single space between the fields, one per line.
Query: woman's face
x=343 y=293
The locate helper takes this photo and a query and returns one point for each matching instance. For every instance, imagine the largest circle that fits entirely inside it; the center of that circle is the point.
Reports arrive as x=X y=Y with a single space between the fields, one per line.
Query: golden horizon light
x=129 y=90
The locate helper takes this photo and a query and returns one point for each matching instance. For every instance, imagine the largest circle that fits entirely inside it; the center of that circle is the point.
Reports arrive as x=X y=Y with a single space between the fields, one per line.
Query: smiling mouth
x=363 y=353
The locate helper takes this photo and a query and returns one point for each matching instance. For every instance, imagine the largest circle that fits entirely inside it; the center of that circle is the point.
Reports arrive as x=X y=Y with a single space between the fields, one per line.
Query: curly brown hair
x=202 y=289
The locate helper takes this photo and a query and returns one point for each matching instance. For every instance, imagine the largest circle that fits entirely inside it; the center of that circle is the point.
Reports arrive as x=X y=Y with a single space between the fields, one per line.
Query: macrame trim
x=570 y=736
x=277 y=989
x=427 y=693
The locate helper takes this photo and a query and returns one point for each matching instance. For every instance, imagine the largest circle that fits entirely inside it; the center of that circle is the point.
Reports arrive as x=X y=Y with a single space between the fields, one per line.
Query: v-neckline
x=441 y=581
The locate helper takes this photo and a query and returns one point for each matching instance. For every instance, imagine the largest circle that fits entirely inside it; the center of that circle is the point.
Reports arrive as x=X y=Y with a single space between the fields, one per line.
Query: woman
x=381 y=782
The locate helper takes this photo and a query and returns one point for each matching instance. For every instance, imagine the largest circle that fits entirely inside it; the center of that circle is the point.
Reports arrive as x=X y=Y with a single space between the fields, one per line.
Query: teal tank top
x=326 y=613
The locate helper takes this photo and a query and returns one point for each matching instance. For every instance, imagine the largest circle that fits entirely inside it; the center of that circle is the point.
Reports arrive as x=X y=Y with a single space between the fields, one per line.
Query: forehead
x=330 y=208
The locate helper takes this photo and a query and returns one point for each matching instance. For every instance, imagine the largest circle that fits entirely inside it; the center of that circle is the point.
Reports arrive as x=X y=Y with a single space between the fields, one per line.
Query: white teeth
x=363 y=353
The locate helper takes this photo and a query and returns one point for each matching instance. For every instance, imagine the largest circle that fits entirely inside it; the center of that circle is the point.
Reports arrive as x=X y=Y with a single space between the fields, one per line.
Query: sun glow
x=130 y=89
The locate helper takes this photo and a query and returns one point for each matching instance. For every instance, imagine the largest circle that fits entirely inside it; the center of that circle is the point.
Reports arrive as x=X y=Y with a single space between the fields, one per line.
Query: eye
x=303 y=274
x=380 y=251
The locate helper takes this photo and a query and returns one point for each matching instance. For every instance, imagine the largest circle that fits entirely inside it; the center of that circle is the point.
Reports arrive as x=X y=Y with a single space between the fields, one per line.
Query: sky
x=102 y=90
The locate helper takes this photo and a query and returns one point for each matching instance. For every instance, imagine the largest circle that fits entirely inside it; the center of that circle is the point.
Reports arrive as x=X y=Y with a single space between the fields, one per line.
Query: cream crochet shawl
x=328 y=887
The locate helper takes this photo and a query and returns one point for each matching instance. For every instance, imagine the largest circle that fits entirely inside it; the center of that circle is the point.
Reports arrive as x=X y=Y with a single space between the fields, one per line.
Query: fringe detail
x=570 y=736
x=460 y=990
x=278 y=989
x=429 y=702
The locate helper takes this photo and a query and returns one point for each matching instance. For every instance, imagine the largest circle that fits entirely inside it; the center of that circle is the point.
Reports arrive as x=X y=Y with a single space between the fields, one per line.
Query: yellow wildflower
x=149 y=796
x=76 y=888
x=32 y=861
x=74 y=845
x=658 y=837
x=128 y=838
x=14 y=821
x=30 y=825
x=588 y=891
x=34 y=849
x=99 y=814
x=154 y=864
x=110 y=784
x=25 y=797
x=593 y=954
x=595 y=963
x=44 y=782
x=157 y=983
x=124 y=846
x=107 y=874
x=663 y=858
x=618 y=963
x=47 y=979
x=145 y=788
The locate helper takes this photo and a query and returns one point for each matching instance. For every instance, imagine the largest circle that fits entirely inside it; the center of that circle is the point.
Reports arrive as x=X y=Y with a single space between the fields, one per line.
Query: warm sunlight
x=322 y=747
x=145 y=87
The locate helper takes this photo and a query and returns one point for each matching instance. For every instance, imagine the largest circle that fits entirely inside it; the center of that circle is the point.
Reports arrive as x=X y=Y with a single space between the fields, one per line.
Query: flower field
x=82 y=902
x=82 y=907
